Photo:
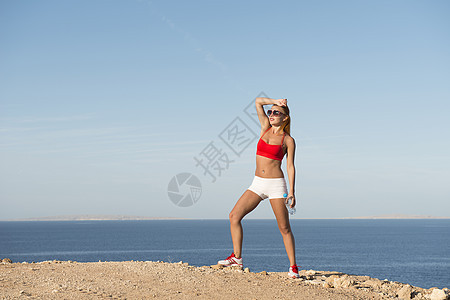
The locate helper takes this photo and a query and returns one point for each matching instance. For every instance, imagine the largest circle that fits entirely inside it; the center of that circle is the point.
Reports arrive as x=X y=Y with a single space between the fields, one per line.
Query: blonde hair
x=286 y=126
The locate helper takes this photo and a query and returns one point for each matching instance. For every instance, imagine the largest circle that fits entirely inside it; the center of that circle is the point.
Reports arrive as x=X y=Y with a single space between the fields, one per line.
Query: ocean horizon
x=100 y=217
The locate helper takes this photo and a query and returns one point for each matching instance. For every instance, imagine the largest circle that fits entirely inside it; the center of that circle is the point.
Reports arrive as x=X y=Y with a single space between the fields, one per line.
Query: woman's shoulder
x=287 y=135
x=288 y=138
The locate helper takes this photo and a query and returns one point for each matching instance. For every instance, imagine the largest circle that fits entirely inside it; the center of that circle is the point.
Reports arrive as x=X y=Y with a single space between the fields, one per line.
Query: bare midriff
x=268 y=168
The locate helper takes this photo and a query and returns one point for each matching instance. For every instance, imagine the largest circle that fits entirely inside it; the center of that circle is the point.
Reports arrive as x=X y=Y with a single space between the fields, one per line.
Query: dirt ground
x=144 y=280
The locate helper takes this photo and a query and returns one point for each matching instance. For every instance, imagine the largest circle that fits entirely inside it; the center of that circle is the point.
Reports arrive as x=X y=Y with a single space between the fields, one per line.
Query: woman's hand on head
x=281 y=102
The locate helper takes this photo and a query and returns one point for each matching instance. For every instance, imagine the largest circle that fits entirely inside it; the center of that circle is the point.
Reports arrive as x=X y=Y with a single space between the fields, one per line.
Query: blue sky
x=102 y=103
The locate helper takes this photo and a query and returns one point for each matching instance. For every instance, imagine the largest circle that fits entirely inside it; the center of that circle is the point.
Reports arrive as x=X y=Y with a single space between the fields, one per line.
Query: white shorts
x=271 y=188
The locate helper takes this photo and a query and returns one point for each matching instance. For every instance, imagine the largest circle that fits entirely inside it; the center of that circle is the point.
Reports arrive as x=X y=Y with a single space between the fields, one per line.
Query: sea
x=414 y=251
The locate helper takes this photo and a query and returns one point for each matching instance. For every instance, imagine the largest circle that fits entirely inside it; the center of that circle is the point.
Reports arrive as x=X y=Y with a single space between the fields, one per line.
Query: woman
x=275 y=141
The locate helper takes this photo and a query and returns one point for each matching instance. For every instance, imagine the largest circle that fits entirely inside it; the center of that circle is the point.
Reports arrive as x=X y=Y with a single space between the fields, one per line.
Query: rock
x=374 y=283
x=311 y=272
x=24 y=293
x=235 y=268
x=6 y=261
x=326 y=285
x=217 y=267
x=364 y=278
x=343 y=282
x=330 y=280
x=246 y=270
x=405 y=292
x=337 y=282
x=348 y=283
x=437 y=294
x=263 y=273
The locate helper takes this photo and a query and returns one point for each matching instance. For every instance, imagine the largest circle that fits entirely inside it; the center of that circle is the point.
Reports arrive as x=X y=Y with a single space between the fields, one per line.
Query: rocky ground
x=144 y=280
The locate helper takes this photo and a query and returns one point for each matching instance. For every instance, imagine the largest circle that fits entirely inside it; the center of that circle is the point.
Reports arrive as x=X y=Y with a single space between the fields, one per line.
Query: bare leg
x=248 y=202
x=281 y=213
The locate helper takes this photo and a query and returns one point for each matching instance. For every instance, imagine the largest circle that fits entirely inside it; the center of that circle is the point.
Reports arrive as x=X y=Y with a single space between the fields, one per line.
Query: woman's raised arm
x=260 y=102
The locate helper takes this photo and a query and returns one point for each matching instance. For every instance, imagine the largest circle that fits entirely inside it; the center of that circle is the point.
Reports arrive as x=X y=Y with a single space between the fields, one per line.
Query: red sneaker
x=293 y=271
x=231 y=261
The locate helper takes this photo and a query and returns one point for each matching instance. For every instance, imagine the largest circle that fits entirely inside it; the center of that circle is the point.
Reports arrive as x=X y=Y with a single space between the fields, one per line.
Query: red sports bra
x=268 y=150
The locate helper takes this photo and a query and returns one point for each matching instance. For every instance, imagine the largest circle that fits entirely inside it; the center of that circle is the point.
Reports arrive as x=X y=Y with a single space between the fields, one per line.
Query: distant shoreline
x=92 y=218
x=141 y=218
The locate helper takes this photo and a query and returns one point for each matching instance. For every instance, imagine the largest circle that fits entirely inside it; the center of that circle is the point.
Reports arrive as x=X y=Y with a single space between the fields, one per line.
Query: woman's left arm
x=290 y=144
